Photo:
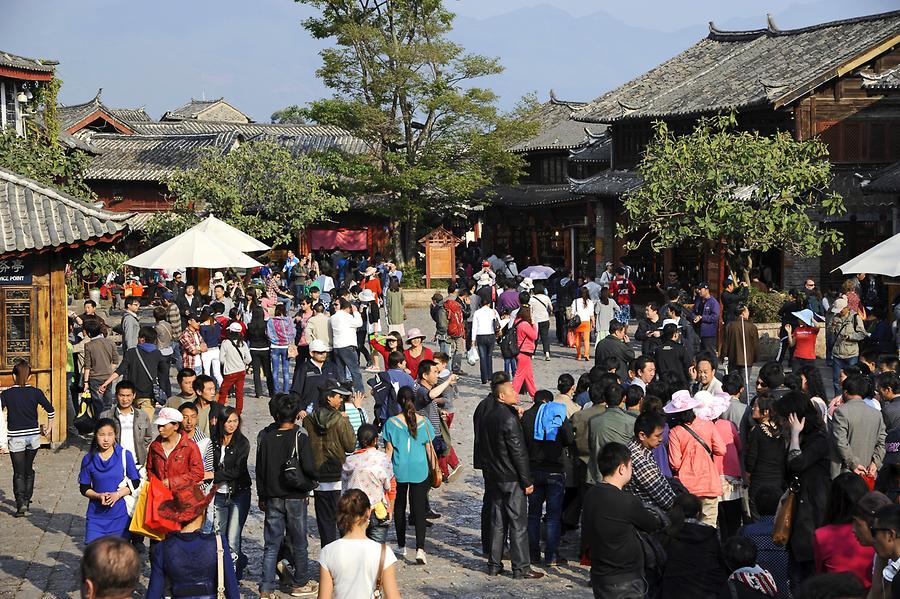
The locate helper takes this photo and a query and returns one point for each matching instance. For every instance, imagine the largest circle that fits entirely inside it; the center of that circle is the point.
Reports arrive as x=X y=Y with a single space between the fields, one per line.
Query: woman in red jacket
x=526 y=336
x=173 y=458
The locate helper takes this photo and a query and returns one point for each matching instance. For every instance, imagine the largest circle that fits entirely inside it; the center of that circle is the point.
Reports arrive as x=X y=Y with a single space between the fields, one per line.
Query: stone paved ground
x=39 y=555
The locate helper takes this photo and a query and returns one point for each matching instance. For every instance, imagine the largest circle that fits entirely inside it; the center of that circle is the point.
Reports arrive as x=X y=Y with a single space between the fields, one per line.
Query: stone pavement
x=39 y=555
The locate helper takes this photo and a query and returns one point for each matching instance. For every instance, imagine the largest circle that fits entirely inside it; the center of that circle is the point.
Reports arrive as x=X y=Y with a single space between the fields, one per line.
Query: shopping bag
x=472 y=355
x=138 y=524
x=157 y=494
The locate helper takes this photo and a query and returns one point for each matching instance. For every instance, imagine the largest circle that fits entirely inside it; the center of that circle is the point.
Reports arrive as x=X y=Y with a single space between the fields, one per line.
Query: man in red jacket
x=621 y=289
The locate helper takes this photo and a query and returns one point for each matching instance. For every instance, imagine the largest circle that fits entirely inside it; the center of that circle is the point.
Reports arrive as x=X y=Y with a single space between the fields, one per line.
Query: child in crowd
x=450 y=465
x=748 y=580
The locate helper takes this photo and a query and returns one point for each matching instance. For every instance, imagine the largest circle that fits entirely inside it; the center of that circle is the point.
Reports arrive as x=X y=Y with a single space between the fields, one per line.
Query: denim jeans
x=176 y=354
x=485 y=345
x=549 y=488
x=836 y=365
x=281 y=367
x=284 y=516
x=347 y=359
x=230 y=516
x=101 y=401
x=509 y=366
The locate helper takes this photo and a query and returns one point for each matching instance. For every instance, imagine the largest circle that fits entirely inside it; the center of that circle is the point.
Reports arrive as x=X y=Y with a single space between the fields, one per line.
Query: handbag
x=220 y=568
x=784 y=517
x=292 y=474
x=130 y=500
x=157 y=493
x=434 y=468
x=158 y=395
x=376 y=594
x=574 y=322
x=138 y=519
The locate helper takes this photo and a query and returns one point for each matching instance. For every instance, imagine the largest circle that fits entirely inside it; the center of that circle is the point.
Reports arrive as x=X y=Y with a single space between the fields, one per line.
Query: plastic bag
x=472 y=356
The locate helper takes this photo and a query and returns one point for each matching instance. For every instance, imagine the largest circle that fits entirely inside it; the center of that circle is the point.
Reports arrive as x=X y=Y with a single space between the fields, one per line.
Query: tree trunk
x=396 y=243
x=412 y=240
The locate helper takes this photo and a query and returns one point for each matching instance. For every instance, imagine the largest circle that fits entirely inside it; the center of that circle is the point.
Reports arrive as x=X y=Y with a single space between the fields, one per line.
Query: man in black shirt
x=610 y=520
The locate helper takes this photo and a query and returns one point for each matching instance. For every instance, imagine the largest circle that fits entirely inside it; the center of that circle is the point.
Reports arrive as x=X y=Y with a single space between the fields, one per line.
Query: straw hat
x=711 y=406
x=681 y=402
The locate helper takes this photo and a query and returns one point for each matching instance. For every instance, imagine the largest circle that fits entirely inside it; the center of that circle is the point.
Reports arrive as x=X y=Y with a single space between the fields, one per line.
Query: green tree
x=290 y=115
x=742 y=189
x=399 y=83
x=258 y=187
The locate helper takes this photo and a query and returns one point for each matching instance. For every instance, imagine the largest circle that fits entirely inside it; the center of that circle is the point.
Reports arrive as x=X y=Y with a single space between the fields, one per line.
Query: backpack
x=509 y=343
x=456 y=326
x=385 y=397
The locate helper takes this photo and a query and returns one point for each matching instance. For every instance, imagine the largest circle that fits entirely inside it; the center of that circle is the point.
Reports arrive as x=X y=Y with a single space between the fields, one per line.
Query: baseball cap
x=703 y=285
x=235 y=327
x=839 y=304
x=168 y=416
x=485 y=263
x=168 y=296
x=331 y=386
x=317 y=345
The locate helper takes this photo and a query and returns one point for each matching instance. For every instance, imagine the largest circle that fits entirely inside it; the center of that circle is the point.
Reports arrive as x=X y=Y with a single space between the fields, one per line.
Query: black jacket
x=813 y=468
x=730 y=301
x=481 y=411
x=233 y=468
x=547 y=456
x=695 y=568
x=307 y=379
x=274 y=448
x=649 y=344
x=504 y=457
x=673 y=357
x=611 y=346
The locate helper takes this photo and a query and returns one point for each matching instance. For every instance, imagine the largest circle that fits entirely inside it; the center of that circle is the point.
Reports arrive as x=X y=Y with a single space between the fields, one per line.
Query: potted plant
x=93 y=267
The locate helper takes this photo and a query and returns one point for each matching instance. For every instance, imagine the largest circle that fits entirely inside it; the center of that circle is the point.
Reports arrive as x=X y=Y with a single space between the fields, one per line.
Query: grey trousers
x=509 y=510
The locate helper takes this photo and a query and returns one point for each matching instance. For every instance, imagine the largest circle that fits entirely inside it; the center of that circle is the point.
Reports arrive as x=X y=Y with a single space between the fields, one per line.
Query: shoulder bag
x=379 y=578
x=292 y=474
x=434 y=468
x=220 y=568
x=158 y=395
x=784 y=517
x=130 y=500
x=699 y=440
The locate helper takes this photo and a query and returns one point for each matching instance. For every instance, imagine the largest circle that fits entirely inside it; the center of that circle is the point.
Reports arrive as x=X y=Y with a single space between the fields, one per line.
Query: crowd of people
x=675 y=469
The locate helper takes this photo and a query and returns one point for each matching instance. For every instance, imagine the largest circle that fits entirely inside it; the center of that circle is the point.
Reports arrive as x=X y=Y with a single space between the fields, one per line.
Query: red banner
x=345 y=239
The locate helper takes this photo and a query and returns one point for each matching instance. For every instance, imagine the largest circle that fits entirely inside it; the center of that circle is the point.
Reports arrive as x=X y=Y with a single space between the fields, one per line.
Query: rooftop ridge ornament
x=770 y=24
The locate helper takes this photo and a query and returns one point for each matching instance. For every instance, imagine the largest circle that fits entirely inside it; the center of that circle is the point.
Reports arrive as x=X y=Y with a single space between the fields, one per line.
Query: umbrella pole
x=746 y=366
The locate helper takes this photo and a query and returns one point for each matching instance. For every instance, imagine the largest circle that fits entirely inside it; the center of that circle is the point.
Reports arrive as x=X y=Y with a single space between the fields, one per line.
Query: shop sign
x=15 y=271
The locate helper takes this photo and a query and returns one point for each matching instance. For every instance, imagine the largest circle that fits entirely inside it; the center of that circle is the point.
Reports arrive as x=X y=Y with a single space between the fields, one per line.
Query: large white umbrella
x=193 y=249
x=883 y=259
x=537 y=272
x=230 y=235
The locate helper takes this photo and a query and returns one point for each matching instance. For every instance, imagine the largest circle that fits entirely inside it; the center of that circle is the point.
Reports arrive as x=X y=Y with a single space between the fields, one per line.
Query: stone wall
x=797 y=270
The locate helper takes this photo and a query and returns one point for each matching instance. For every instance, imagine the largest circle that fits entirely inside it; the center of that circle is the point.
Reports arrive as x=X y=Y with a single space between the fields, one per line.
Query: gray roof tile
x=194 y=109
x=557 y=129
x=607 y=183
x=741 y=69
x=26 y=64
x=886 y=180
x=150 y=157
x=34 y=216
x=75 y=113
x=598 y=149
x=529 y=196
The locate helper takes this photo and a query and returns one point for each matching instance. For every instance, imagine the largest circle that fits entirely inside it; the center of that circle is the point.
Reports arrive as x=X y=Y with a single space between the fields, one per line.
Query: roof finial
x=97 y=97
x=771 y=26
x=552 y=96
x=713 y=30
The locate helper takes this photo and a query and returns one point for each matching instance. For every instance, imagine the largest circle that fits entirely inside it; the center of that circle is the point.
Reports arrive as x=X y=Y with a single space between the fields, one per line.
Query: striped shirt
x=356 y=416
x=21 y=410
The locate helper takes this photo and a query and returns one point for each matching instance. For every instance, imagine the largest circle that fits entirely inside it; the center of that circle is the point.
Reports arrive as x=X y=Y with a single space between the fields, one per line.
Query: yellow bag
x=137 y=519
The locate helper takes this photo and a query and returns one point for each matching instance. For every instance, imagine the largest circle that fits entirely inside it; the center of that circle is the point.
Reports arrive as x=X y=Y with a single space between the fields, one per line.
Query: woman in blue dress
x=102 y=480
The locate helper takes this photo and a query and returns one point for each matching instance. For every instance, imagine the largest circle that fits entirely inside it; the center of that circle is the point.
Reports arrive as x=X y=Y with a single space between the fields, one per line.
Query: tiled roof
x=598 y=149
x=882 y=81
x=742 y=69
x=886 y=180
x=527 y=196
x=331 y=139
x=557 y=129
x=194 y=109
x=245 y=130
x=607 y=183
x=150 y=157
x=73 y=142
x=26 y=64
x=75 y=113
x=34 y=216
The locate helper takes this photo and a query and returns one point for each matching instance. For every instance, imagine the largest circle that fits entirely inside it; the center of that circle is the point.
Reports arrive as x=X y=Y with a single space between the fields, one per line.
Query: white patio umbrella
x=230 y=235
x=193 y=249
x=883 y=259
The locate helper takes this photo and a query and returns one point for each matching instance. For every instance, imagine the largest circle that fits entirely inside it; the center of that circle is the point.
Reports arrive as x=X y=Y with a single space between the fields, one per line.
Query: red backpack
x=456 y=326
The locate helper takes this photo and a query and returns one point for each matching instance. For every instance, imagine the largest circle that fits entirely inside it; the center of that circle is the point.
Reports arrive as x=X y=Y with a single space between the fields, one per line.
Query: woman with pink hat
x=693 y=444
x=729 y=466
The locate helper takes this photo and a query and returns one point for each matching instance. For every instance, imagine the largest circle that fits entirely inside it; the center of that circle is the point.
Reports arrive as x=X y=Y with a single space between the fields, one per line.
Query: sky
x=256 y=54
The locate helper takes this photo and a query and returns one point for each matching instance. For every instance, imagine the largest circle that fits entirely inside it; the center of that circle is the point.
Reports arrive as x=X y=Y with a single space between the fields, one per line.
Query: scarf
x=147 y=347
x=757 y=578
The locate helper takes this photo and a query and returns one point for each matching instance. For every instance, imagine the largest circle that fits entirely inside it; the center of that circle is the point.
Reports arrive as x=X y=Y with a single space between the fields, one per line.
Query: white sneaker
x=420 y=557
x=401 y=551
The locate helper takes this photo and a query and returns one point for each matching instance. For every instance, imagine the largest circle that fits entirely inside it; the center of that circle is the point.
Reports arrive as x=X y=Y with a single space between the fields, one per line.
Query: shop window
x=15 y=336
x=859 y=141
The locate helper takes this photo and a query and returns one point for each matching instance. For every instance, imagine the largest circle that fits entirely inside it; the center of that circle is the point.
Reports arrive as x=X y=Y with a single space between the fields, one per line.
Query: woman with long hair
x=811 y=384
x=808 y=465
x=835 y=546
x=260 y=354
x=407 y=441
x=235 y=357
x=485 y=322
x=211 y=333
x=583 y=308
x=765 y=460
x=231 y=451
x=304 y=313
x=103 y=470
x=24 y=434
x=281 y=332
x=349 y=566
x=526 y=339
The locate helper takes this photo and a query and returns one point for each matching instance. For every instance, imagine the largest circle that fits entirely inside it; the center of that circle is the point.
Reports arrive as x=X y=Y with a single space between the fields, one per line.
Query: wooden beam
x=99 y=114
x=867 y=56
x=25 y=75
x=59 y=334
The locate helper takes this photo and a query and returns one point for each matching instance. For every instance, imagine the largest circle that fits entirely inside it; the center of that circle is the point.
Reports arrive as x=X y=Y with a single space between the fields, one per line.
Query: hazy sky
x=160 y=53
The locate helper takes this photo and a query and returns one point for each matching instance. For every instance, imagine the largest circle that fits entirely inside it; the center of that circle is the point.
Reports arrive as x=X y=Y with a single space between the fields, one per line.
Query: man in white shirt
x=221 y=298
x=644 y=371
x=344 y=323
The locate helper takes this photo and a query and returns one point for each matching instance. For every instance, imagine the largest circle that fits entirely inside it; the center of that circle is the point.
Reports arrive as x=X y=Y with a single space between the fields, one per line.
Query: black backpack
x=509 y=343
x=385 y=397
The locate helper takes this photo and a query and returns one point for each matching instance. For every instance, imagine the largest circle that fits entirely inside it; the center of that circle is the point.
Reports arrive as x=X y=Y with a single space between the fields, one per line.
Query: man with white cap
x=803 y=338
x=847 y=330
x=311 y=374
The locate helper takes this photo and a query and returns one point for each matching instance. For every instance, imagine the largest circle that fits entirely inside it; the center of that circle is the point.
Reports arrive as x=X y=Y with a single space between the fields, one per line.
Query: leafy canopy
x=400 y=84
x=750 y=191
x=258 y=187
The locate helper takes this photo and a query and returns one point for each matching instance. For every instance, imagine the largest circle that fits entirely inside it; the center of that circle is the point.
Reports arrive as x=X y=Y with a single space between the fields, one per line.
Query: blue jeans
x=230 y=516
x=347 y=359
x=549 y=487
x=101 y=401
x=485 y=345
x=284 y=516
x=836 y=365
x=176 y=354
x=281 y=369
x=509 y=366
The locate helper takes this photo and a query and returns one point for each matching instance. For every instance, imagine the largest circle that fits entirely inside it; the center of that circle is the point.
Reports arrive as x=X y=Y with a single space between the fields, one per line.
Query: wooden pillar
x=534 y=245
x=59 y=334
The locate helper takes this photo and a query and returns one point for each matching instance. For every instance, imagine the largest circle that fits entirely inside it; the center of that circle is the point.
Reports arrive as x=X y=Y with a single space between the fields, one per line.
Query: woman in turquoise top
x=407 y=439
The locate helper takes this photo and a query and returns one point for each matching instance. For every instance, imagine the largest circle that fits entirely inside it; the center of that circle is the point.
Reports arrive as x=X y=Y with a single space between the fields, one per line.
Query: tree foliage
x=258 y=187
x=399 y=83
x=290 y=115
x=745 y=190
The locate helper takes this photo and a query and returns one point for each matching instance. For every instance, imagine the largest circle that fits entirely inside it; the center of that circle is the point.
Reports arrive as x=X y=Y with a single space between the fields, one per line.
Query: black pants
x=509 y=509
x=418 y=508
x=326 y=515
x=485 y=344
x=261 y=360
x=561 y=327
x=730 y=518
x=544 y=335
x=708 y=344
x=798 y=363
x=23 y=475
